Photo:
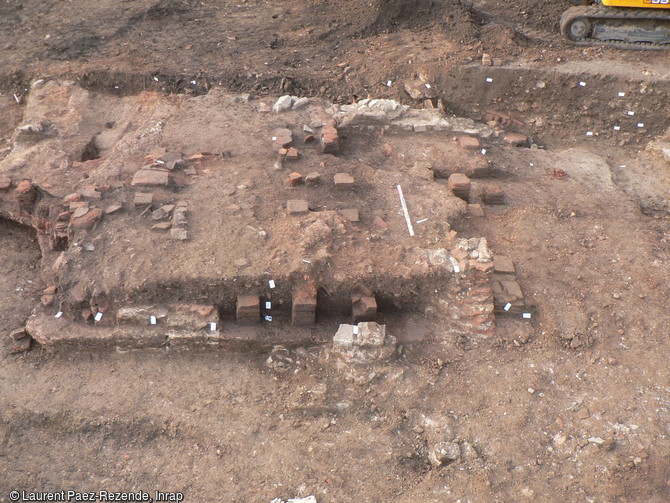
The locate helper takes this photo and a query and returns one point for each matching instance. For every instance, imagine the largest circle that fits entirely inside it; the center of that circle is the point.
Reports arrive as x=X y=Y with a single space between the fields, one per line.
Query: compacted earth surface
x=526 y=320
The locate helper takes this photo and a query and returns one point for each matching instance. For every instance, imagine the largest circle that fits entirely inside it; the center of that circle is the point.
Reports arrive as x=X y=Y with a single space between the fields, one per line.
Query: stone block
x=350 y=214
x=248 y=310
x=330 y=142
x=192 y=316
x=90 y=192
x=149 y=177
x=283 y=104
x=344 y=337
x=297 y=207
x=371 y=334
x=503 y=264
x=344 y=181
x=179 y=233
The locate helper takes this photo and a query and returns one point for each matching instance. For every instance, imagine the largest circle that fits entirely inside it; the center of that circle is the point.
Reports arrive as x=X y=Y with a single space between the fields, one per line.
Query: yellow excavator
x=627 y=24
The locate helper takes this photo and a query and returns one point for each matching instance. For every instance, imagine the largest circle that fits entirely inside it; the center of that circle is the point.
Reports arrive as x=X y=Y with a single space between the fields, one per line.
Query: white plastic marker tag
x=355 y=330
x=268 y=318
x=640 y=124
x=268 y=305
x=271 y=283
x=427 y=86
x=274 y=138
x=621 y=95
x=212 y=326
x=507 y=306
x=589 y=133
x=306 y=261
x=59 y=314
x=483 y=151
x=457 y=269
x=152 y=320
x=582 y=84
x=422 y=221
x=631 y=113
x=489 y=79
x=389 y=83
x=526 y=316
x=616 y=128
x=98 y=316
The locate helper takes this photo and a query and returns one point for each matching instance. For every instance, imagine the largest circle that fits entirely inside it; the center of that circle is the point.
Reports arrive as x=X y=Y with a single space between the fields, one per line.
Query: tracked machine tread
x=624 y=28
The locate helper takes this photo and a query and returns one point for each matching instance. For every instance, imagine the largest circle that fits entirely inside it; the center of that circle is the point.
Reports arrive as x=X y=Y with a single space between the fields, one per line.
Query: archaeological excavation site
x=353 y=251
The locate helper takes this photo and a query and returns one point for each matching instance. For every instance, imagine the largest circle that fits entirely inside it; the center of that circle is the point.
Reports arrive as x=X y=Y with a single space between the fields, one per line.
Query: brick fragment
x=292 y=154
x=516 y=139
x=481 y=266
x=379 y=223
x=26 y=194
x=88 y=220
x=113 y=208
x=297 y=207
x=469 y=142
x=150 y=177
x=344 y=181
x=142 y=198
x=330 y=142
x=294 y=179
x=90 y=192
x=350 y=214
x=503 y=264
x=512 y=288
x=282 y=138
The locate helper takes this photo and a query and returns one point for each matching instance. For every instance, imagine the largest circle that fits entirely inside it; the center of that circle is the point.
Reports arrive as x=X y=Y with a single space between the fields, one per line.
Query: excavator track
x=624 y=28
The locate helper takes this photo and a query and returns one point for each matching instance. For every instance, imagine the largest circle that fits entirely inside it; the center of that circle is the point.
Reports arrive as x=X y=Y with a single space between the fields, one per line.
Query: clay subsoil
x=573 y=405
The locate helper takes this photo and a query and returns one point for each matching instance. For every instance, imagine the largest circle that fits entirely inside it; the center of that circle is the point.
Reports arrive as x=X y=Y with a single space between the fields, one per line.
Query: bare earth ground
x=591 y=252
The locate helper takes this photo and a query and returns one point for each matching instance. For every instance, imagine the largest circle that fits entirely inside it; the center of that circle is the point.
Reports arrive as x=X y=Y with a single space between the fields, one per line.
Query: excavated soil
x=573 y=405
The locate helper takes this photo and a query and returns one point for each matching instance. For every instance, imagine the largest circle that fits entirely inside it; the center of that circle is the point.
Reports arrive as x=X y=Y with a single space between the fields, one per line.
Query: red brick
x=294 y=179
x=87 y=221
x=330 y=142
x=459 y=254
x=282 y=138
x=292 y=154
x=303 y=311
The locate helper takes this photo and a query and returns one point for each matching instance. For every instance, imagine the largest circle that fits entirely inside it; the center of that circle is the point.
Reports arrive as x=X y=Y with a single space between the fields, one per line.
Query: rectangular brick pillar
x=248 y=309
x=303 y=312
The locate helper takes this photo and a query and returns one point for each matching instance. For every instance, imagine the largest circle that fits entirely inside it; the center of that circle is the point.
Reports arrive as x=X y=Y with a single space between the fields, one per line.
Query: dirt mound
x=447 y=15
x=168 y=8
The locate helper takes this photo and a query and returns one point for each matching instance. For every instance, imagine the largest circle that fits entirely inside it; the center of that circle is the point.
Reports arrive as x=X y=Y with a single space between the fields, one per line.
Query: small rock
x=162 y=226
x=300 y=103
x=179 y=234
x=5 y=182
x=444 y=453
x=283 y=104
x=142 y=198
x=241 y=262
